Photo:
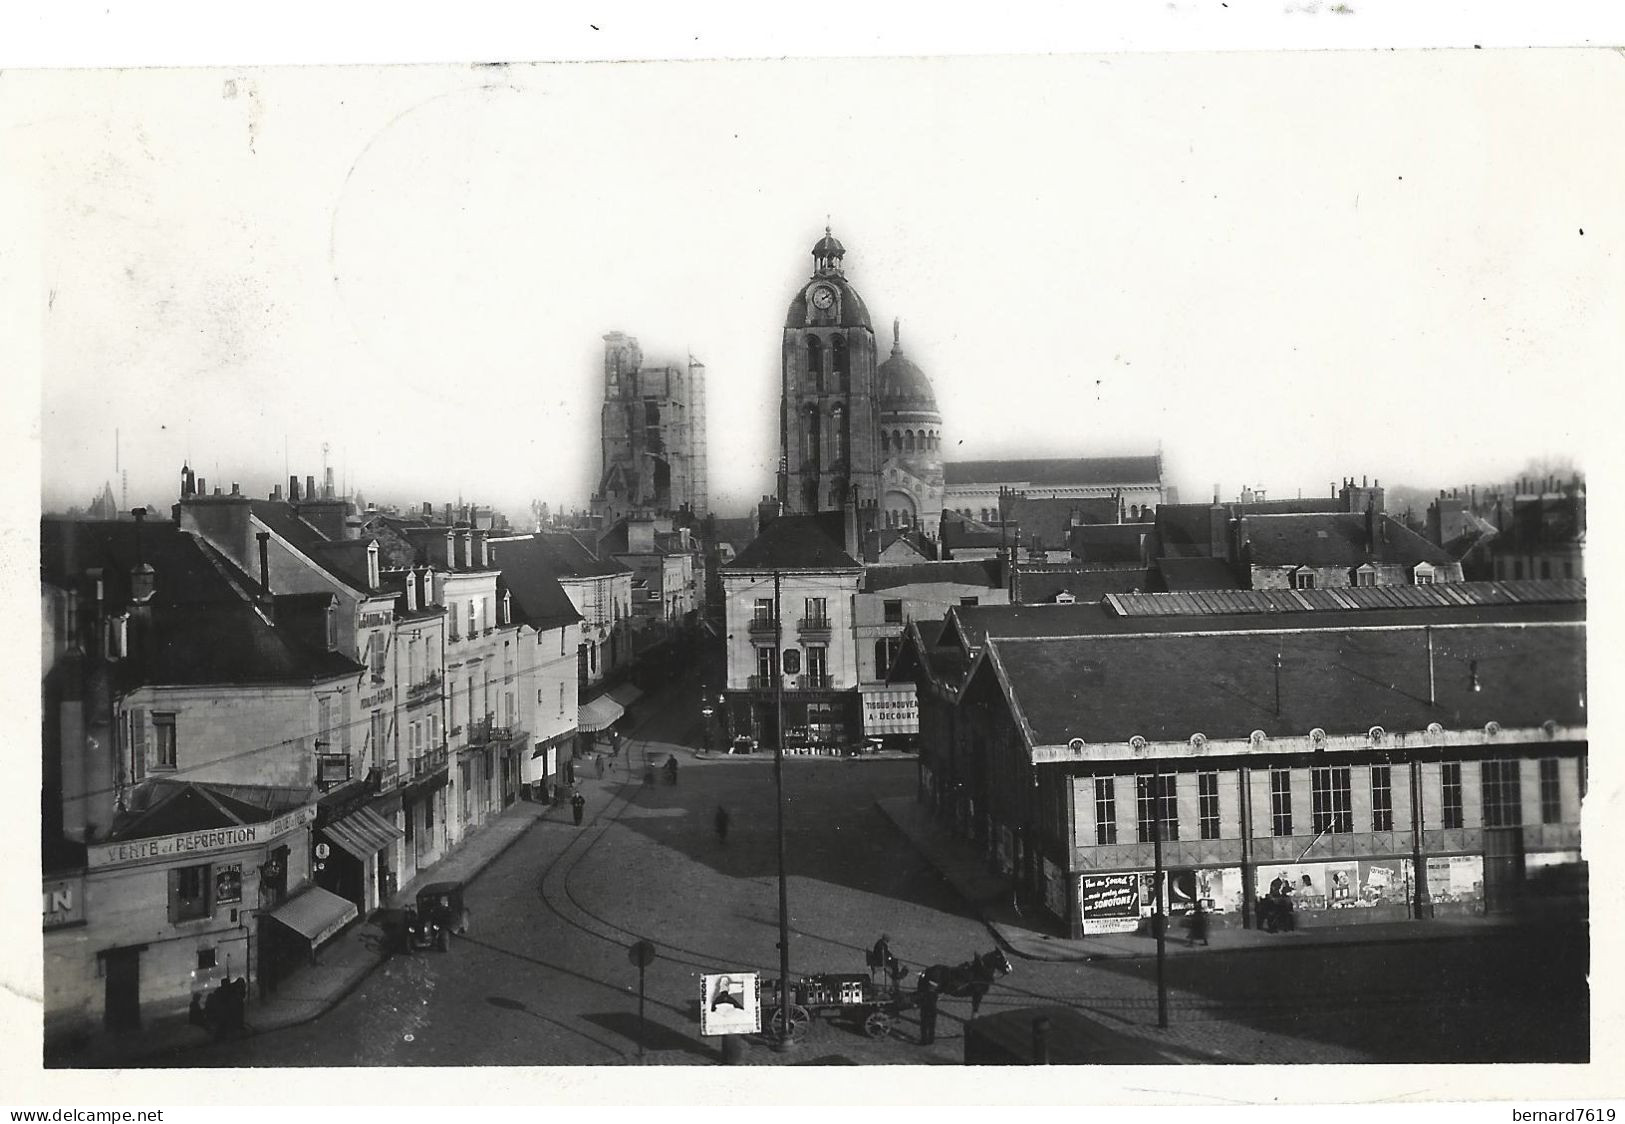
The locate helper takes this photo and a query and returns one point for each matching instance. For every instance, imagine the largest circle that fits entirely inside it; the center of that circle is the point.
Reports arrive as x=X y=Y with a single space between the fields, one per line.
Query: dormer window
x=1365 y=575
x=1423 y=574
x=118 y=636
x=411 y=591
x=1303 y=579
x=507 y=607
x=332 y=627
x=372 y=564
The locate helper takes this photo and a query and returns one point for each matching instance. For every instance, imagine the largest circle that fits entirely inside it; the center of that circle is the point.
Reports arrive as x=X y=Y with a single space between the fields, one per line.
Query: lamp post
x=784 y=1040
x=705 y=713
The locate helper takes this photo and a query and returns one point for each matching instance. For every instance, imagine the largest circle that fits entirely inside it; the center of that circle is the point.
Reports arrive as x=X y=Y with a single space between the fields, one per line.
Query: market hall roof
x=1167 y=688
x=1055 y=473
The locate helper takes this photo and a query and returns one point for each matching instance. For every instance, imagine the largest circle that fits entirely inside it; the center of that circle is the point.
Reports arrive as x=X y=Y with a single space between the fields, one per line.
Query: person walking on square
x=578 y=807
x=722 y=824
x=1199 y=924
x=598 y=760
x=928 y=1012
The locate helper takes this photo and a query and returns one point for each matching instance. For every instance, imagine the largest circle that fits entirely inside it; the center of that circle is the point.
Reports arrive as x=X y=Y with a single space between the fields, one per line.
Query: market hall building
x=1390 y=753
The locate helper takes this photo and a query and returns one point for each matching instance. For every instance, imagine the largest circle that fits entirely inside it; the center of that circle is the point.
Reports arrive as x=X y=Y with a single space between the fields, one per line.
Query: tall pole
x=1161 y=913
x=641 y=1025
x=784 y=1041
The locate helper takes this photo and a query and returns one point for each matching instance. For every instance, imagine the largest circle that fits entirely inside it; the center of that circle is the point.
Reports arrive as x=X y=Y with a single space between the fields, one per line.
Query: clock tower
x=829 y=421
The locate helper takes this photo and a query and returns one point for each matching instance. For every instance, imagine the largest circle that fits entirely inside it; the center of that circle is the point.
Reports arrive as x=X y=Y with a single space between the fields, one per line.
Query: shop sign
x=1110 y=903
x=64 y=901
x=376 y=618
x=163 y=847
x=731 y=1003
x=891 y=712
x=228 y=884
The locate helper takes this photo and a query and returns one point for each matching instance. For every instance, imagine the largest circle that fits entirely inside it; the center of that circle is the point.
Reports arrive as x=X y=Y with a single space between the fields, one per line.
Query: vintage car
x=438 y=913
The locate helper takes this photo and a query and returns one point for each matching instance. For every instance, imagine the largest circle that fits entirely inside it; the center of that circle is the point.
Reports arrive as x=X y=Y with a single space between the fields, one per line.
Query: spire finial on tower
x=897 y=333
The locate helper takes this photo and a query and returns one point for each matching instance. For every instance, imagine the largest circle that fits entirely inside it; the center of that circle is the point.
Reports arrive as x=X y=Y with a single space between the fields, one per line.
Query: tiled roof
x=958 y=531
x=563 y=555
x=1196 y=573
x=166 y=807
x=1166 y=688
x=796 y=542
x=1183 y=529
x=1038 y=584
x=1336 y=539
x=204 y=628
x=1544 y=522
x=736 y=532
x=1109 y=542
x=529 y=576
x=1046 y=524
x=1076 y=470
x=982 y=572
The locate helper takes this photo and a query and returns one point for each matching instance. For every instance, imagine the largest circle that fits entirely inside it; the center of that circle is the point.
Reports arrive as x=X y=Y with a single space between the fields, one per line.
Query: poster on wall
x=1110 y=903
x=1456 y=878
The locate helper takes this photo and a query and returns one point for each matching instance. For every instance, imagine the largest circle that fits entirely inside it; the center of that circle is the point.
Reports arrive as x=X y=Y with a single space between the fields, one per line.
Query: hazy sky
x=1285 y=267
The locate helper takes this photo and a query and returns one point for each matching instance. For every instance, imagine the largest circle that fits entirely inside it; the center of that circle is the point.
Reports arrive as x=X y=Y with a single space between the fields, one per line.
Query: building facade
x=1445 y=775
x=972 y=487
x=910 y=443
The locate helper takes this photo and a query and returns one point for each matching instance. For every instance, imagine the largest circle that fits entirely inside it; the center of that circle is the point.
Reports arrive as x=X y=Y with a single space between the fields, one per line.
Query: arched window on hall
x=897 y=440
x=815 y=364
x=838 y=434
x=908 y=441
x=885 y=443
x=838 y=364
x=1134 y=512
x=812 y=445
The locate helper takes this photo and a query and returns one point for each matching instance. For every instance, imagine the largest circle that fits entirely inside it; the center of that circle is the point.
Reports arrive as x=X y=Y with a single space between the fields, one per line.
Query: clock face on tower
x=823 y=297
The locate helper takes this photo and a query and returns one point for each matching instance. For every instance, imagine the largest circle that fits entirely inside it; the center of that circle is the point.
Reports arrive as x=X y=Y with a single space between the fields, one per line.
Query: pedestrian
x=1199 y=924
x=928 y=1011
x=671 y=769
x=569 y=771
x=598 y=760
x=722 y=824
x=578 y=807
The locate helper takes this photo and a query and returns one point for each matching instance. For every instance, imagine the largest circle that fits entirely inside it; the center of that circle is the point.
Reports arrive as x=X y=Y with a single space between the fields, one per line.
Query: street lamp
x=706 y=712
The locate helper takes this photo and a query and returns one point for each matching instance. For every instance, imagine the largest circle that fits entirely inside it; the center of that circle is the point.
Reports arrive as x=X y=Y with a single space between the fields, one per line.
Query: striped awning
x=598 y=714
x=315 y=914
x=363 y=833
x=626 y=694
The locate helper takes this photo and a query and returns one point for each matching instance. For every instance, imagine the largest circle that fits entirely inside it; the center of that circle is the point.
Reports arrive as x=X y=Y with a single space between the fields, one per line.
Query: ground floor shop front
x=815 y=722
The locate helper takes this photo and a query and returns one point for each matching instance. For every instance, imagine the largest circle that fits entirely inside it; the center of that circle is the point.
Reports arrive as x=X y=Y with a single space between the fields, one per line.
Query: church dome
x=901 y=385
x=853 y=312
x=829 y=247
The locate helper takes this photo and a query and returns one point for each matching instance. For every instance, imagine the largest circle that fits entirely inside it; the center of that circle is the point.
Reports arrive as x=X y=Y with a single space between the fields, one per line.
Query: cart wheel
x=799 y=1020
x=877 y=1025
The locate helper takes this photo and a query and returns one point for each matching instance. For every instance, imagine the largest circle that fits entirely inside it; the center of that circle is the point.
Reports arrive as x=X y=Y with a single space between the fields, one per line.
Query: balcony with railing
x=427 y=688
x=762 y=626
x=762 y=682
x=812 y=681
x=428 y=763
x=814 y=626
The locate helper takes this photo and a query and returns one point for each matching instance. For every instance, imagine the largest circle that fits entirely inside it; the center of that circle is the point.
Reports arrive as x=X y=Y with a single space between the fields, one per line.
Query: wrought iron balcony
x=426 y=688
x=762 y=626
x=425 y=764
x=810 y=681
x=813 y=625
x=762 y=682
x=479 y=732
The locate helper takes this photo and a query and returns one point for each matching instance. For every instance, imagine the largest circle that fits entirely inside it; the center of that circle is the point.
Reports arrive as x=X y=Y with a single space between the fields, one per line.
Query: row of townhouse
x=1388 y=756
x=796 y=600
x=262 y=719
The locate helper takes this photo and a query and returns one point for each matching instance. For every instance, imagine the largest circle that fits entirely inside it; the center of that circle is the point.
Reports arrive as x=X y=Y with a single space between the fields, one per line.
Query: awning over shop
x=598 y=714
x=363 y=833
x=315 y=914
x=626 y=694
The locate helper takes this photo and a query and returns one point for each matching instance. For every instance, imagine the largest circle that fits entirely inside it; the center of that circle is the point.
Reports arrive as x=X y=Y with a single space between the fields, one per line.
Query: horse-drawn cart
x=854 y=998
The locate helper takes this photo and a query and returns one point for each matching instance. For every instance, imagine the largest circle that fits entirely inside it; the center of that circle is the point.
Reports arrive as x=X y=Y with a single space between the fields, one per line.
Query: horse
x=968 y=980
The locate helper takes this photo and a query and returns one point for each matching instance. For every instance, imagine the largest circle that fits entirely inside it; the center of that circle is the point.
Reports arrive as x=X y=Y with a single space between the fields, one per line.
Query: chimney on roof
x=264 y=539
x=202 y=486
x=276 y=493
x=293 y=489
x=327 y=485
x=310 y=487
x=428 y=510
x=1215 y=493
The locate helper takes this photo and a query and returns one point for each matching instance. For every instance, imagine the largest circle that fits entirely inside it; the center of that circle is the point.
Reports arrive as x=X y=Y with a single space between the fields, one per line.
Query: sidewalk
x=990 y=895
x=345 y=961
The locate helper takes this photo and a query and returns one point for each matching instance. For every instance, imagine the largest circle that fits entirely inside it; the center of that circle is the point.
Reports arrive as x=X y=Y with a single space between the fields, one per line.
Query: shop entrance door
x=1503 y=868
x=123 y=1006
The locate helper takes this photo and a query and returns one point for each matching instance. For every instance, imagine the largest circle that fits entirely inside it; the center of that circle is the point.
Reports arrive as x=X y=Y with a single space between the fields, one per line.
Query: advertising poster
x=1110 y=903
x=731 y=1003
x=1456 y=878
x=1218 y=889
x=1384 y=882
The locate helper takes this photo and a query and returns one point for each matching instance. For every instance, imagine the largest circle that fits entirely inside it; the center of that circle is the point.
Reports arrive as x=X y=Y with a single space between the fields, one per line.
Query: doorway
x=1503 y=868
x=123 y=970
